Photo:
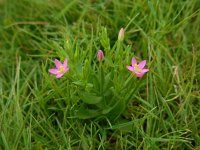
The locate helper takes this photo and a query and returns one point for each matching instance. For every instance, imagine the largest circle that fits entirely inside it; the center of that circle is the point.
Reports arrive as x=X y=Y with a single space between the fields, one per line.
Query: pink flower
x=60 y=69
x=100 y=55
x=138 y=68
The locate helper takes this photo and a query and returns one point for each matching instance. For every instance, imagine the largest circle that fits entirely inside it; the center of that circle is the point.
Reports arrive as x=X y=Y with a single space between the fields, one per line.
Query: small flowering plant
x=101 y=87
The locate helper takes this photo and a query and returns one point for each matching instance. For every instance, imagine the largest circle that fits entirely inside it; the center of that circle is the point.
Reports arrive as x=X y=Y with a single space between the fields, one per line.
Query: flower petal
x=59 y=75
x=145 y=70
x=134 y=61
x=57 y=63
x=130 y=68
x=65 y=64
x=54 y=71
x=142 y=64
x=66 y=70
x=140 y=74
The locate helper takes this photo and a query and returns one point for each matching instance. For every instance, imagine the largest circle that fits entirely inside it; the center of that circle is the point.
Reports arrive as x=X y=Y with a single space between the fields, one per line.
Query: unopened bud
x=121 y=34
x=100 y=55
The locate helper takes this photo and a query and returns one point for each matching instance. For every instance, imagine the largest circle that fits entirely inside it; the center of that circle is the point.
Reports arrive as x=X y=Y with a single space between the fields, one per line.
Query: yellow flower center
x=137 y=69
x=61 y=69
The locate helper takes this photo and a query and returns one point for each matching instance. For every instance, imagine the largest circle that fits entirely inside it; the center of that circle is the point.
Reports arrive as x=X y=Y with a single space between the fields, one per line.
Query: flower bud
x=121 y=34
x=100 y=55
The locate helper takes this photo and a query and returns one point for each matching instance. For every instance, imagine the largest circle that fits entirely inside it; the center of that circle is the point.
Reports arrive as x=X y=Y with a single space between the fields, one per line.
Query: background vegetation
x=35 y=108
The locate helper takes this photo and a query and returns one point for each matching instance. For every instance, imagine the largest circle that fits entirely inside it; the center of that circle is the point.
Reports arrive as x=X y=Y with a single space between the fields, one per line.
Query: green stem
x=101 y=79
x=127 y=81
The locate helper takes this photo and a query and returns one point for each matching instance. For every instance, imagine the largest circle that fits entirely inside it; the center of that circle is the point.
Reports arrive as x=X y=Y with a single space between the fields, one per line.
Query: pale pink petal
x=54 y=71
x=145 y=70
x=65 y=70
x=65 y=63
x=59 y=75
x=130 y=68
x=57 y=63
x=140 y=74
x=134 y=61
x=142 y=64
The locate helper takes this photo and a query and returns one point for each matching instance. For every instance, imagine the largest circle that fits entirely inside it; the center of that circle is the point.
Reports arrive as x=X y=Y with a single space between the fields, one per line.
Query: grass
x=38 y=111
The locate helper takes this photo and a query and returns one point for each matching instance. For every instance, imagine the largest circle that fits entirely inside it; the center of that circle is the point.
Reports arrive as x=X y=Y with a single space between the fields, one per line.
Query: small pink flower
x=100 y=55
x=60 y=69
x=138 y=68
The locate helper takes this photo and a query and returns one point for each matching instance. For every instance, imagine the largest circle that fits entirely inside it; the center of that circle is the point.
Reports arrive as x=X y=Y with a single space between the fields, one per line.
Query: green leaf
x=90 y=98
x=117 y=109
x=106 y=110
x=79 y=83
x=107 y=82
x=85 y=113
x=105 y=41
x=95 y=81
